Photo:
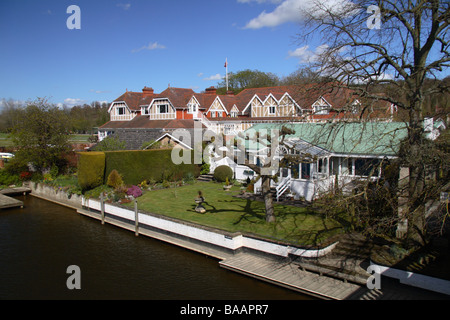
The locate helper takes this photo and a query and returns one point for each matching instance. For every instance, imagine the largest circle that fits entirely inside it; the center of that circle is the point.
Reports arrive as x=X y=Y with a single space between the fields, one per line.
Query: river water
x=39 y=242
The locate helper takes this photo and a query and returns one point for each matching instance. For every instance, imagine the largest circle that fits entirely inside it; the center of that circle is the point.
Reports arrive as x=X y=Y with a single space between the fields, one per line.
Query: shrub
x=91 y=169
x=7 y=178
x=221 y=173
x=205 y=168
x=95 y=193
x=114 y=179
x=25 y=176
x=134 y=191
x=47 y=178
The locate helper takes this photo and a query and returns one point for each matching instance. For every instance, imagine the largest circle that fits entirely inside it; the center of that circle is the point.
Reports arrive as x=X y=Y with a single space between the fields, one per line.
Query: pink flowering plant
x=134 y=191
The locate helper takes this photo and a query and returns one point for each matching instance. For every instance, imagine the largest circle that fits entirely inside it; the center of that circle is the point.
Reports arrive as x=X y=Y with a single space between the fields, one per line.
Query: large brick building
x=138 y=117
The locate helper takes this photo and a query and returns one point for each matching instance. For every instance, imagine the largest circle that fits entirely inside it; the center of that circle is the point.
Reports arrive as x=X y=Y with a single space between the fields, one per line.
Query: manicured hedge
x=137 y=166
x=221 y=173
x=91 y=169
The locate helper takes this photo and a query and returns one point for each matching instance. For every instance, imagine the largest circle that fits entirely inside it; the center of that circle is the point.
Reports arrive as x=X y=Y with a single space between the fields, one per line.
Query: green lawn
x=296 y=225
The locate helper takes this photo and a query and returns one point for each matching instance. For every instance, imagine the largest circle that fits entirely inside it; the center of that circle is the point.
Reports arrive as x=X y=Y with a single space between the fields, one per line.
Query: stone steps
x=348 y=261
x=205 y=177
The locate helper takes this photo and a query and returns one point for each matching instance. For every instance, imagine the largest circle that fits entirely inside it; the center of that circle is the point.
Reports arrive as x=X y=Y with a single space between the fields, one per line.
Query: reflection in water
x=39 y=242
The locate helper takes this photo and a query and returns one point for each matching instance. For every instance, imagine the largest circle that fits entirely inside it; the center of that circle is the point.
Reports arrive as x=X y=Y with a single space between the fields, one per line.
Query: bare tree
x=268 y=169
x=395 y=45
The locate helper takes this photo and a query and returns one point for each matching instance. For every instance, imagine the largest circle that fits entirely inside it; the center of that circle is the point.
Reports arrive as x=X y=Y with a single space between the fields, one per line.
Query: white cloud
x=99 y=91
x=291 y=11
x=150 y=46
x=124 y=6
x=200 y=74
x=214 y=77
x=307 y=56
x=287 y=11
x=72 y=102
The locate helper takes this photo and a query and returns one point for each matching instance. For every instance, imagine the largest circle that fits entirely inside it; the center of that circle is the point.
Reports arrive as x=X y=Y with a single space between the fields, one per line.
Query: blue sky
x=129 y=44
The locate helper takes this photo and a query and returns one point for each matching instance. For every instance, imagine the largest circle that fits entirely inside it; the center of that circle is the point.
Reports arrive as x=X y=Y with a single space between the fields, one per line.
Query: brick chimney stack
x=146 y=92
x=210 y=90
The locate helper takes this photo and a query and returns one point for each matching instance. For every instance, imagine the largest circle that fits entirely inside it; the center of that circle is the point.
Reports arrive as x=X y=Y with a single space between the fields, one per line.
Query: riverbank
x=228 y=247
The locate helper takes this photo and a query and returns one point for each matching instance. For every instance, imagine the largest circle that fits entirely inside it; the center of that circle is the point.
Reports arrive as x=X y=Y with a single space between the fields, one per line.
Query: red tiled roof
x=304 y=96
x=134 y=100
x=143 y=122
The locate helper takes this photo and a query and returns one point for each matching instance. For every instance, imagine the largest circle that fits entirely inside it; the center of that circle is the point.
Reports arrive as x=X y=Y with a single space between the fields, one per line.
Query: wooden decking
x=284 y=273
x=15 y=191
x=8 y=202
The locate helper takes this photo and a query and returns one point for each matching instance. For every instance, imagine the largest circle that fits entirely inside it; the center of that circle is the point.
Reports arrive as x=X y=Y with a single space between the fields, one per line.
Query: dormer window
x=321 y=109
x=120 y=111
x=321 y=106
x=163 y=108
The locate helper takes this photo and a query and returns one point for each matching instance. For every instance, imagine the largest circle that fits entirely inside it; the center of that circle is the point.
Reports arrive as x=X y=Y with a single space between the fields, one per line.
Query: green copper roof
x=368 y=138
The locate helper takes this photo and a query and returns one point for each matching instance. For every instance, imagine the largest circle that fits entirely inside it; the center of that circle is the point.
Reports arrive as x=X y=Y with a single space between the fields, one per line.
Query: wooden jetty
x=8 y=202
x=15 y=191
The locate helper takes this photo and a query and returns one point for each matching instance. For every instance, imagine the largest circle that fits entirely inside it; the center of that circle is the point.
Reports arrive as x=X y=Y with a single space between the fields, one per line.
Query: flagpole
x=226 y=71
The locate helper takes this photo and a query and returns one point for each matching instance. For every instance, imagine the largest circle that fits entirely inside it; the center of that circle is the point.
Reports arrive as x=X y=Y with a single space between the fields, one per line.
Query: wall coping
x=414 y=279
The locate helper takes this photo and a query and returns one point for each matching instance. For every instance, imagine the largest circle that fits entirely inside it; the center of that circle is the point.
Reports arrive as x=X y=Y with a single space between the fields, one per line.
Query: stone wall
x=52 y=194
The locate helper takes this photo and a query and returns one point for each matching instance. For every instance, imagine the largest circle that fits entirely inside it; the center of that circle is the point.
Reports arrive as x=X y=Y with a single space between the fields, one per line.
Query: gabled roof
x=142 y=122
x=303 y=96
x=178 y=141
x=179 y=97
x=134 y=100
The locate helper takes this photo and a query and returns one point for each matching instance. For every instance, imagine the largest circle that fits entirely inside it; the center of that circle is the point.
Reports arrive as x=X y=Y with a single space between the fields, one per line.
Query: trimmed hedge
x=140 y=165
x=221 y=173
x=91 y=169
x=134 y=167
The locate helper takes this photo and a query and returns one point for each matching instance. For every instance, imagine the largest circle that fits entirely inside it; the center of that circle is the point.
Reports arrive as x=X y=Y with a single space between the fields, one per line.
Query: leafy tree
x=247 y=79
x=41 y=136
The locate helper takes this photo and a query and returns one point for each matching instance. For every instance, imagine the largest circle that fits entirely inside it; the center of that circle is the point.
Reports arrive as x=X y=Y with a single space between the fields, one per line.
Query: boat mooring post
x=136 y=220
x=102 y=207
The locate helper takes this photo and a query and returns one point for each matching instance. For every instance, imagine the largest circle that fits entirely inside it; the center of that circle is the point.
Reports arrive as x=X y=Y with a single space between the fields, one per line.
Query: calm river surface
x=39 y=242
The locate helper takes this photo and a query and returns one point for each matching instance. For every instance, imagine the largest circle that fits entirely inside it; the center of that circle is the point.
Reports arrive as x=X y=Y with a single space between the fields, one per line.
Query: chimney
x=146 y=92
x=210 y=90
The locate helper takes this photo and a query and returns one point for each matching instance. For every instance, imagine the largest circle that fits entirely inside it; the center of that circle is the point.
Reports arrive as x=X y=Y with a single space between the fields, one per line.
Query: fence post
x=102 y=207
x=136 y=221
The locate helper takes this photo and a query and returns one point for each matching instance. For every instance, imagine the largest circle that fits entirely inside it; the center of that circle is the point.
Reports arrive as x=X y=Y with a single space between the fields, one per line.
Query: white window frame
x=160 y=106
x=274 y=110
x=119 y=109
x=192 y=108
